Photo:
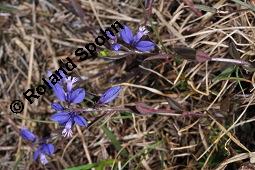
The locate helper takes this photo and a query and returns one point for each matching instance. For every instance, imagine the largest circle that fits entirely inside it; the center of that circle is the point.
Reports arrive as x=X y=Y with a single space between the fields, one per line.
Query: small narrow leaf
x=115 y=141
x=103 y=163
x=250 y=6
x=225 y=73
x=192 y=7
x=174 y=105
x=233 y=51
x=186 y=52
x=145 y=109
x=206 y=8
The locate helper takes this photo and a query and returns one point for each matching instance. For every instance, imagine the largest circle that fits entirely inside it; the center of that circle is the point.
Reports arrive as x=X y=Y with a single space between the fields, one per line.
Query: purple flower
x=43 y=150
x=57 y=107
x=110 y=95
x=69 y=82
x=68 y=119
x=65 y=116
x=116 y=47
x=135 y=41
x=71 y=96
x=113 y=41
x=27 y=135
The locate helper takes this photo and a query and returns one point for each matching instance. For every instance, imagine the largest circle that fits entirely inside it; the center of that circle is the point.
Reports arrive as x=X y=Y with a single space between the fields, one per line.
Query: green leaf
x=147 y=149
x=226 y=73
x=250 y=6
x=6 y=8
x=115 y=142
x=98 y=166
x=206 y=8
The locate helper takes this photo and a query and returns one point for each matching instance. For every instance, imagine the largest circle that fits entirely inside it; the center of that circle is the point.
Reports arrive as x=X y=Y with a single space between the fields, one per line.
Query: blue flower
x=116 y=47
x=64 y=116
x=27 y=135
x=68 y=119
x=110 y=95
x=43 y=150
x=71 y=96
x=69 y=82
x=135 y=41
x=113 y=41
x=57 y=107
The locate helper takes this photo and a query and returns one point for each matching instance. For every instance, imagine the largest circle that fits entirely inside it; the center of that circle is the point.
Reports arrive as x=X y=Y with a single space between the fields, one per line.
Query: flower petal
x=69 y=82
x=48 y=149
x=141 y=32
x=145 y=46
x=61 y=117
x=116 y=47
x=63 y=75
x=36 y=153
x=59 y=92
x=112 y=37
x=57 y=107
x=77 y=96
x=110 y=94
x=43 y=159
x=126 y=35
x=79 y=120
x=27 y=135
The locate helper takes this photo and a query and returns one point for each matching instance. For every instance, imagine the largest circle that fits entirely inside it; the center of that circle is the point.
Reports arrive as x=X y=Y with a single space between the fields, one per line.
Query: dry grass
x=36 y=37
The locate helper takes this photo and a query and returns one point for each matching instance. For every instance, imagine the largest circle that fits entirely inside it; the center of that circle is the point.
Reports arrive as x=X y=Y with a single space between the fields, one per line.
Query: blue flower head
x=110 y=95
x=27 y=135
x=113 y=41
x=43 y=150
x=70 y=96
x=135 y=41
x=68 y=119
x=64 y=116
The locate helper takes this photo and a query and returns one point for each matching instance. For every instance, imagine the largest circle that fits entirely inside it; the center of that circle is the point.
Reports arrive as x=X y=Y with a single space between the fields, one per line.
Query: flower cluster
x=68 y=116
x=66 y=113
x=43 y=149
x=133 y=41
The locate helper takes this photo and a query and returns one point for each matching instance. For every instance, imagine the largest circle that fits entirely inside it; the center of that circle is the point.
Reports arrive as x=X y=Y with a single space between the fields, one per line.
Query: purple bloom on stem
x=69 y=82
x=43 y=150
x=113 y=41
x=68 y=119
x=59 y=92
x=110 y=95
x=112 y=37
x=145 y=46
x=57 y=107
x=27 y=135
x=127 y=36
x=57 y=89
x=71 y=96
x=116 y=47
x=76 y=96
